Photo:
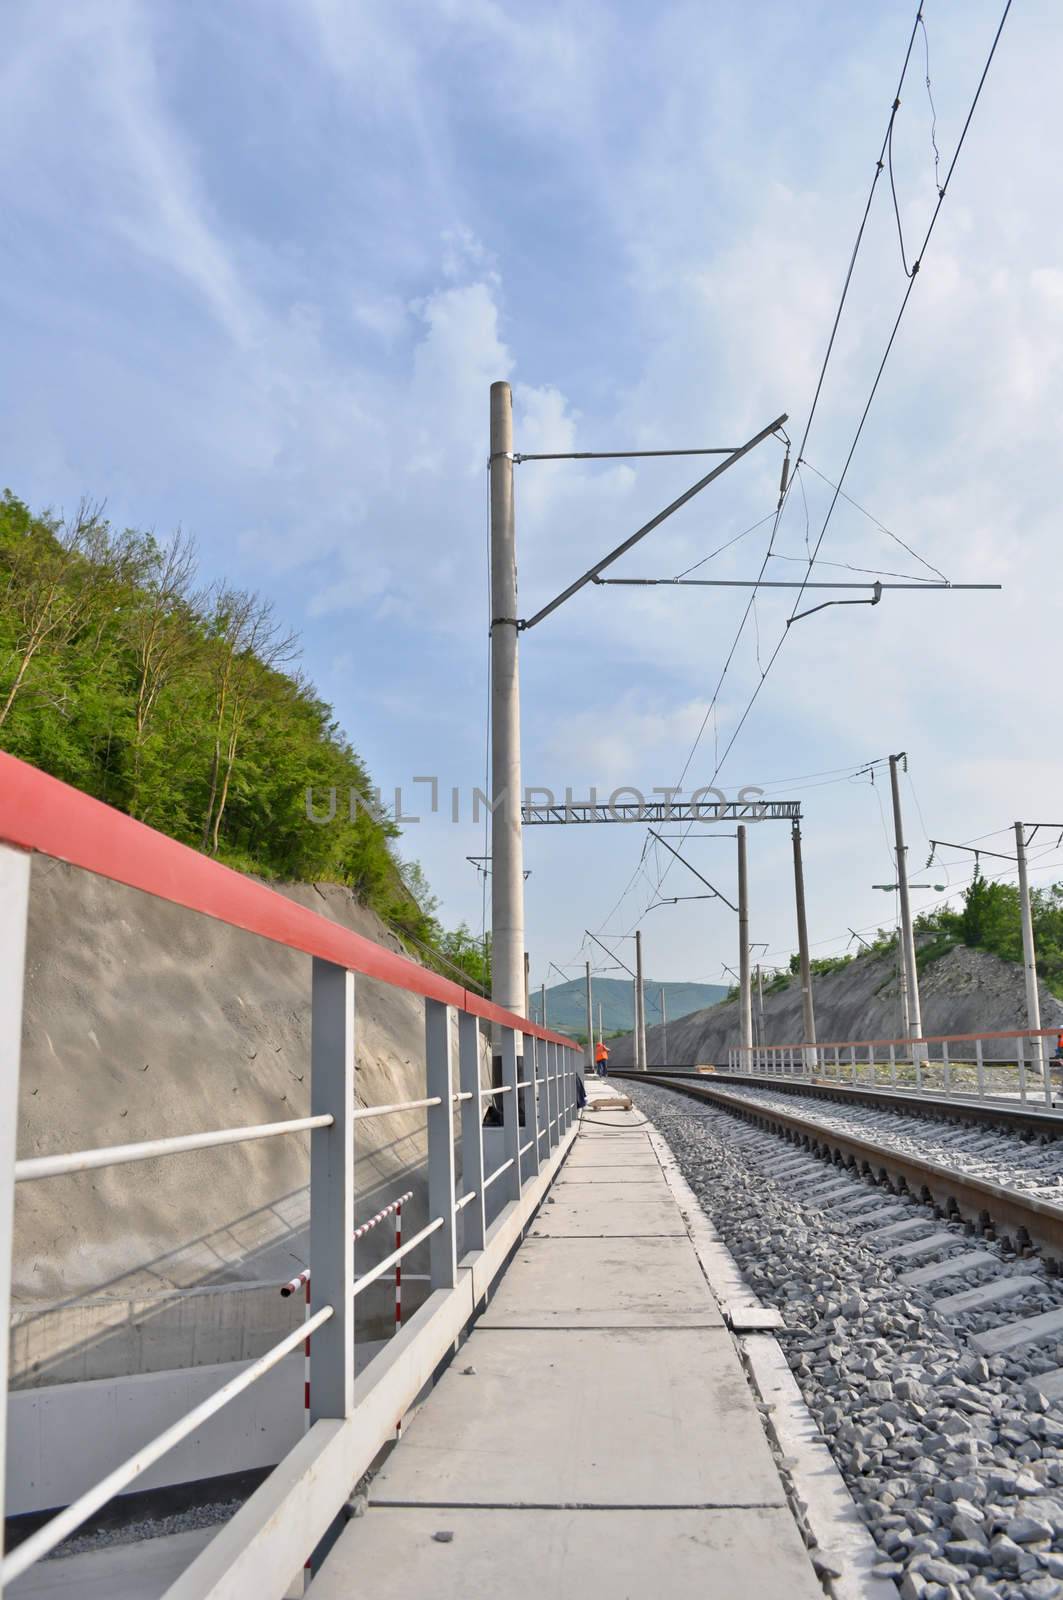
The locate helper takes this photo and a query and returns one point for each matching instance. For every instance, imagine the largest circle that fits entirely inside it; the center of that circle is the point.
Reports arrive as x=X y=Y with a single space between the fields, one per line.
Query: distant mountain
x=566 y=1003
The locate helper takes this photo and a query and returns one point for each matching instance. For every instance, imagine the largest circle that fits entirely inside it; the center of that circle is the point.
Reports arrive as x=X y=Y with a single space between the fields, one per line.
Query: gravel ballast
x=955 y=1461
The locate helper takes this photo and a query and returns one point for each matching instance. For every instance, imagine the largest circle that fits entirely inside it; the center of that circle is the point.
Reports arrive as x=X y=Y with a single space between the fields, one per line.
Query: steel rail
x=974 y=1199
x=1030 y=1116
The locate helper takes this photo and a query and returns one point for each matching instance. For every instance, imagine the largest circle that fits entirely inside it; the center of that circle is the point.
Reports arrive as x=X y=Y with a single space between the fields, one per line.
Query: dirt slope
x=964 y=991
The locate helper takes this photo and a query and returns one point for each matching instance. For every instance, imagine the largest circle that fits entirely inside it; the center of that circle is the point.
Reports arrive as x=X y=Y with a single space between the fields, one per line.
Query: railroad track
x=932 y=1360
x=967 y=1174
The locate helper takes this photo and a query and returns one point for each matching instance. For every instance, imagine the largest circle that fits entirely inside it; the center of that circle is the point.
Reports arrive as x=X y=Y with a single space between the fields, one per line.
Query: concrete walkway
x=596 y=1435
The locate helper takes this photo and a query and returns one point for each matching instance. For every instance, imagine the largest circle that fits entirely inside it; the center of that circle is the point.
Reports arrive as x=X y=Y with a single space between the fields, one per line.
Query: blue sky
x=263 y=262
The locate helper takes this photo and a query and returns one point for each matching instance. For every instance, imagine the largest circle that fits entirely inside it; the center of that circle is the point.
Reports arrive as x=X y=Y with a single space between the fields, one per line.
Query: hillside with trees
x=181 y=703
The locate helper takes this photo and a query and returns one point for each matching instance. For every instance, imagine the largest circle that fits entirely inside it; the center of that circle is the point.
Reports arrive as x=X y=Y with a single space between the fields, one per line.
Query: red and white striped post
x=302 y=1281
x=398 y=1289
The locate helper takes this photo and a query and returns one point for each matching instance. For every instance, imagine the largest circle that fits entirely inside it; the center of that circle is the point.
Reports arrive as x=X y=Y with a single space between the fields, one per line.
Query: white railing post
x=553 y=1131
x=893 y=1066
x=944 y=1066
x=530 y=1102
x=439 y=1081
x=472 y=1136
x=979 y=1063
x=1045 y=1060
x=1020 y=1056
x=332 y=1189
x=14 y=901
x=542 y=1074
x=510 y=1114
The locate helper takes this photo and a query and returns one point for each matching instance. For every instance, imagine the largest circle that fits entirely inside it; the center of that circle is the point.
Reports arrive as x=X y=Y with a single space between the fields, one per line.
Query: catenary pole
x=761 y=1036
x=507 y=855
x=640 y=1005
x=590 y=1023
x=915 y=1017
x=745 y=992
x=1029 y=959
x=808 y=1013
x=664 y=1031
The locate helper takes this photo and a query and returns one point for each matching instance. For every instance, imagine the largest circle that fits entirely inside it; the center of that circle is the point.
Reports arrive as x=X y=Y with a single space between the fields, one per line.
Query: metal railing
x=1011 y=1064
x=277 y=1530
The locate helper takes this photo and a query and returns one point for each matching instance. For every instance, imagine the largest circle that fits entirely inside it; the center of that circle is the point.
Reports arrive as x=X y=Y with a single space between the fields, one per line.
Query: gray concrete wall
x=143 y=1020
x=111 y=1418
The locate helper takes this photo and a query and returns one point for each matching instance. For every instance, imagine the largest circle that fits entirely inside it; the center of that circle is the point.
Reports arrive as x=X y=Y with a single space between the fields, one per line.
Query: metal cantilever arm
x=874 y=600
x=654 y=522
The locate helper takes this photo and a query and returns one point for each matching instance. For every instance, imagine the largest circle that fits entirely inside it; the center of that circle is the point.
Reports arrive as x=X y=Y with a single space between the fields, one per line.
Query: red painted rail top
x=39 y=813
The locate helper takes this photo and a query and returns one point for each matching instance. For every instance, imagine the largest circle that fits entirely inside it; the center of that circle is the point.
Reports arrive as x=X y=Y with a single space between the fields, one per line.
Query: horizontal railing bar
x=524 y=1083
x=497 y=1173
x=396 y=1255
x=54 y=1532
x=466 y=1200
x=489 y=1094
x=365 y=1112
x=117 y=1155
x=38 y=812
x=927 y=1038
x=468 y=1095
x=525 y=1147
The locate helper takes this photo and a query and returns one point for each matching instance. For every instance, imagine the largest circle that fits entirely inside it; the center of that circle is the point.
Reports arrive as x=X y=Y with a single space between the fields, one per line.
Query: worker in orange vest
x=601 y=1058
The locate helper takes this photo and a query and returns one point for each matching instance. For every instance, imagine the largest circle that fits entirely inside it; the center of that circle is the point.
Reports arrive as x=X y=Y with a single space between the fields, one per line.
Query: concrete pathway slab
x=635 y=1417
x=603 y=1283
x=619 y=1178
x=587 y=1212
x=607 y=1153
x=596 y=1555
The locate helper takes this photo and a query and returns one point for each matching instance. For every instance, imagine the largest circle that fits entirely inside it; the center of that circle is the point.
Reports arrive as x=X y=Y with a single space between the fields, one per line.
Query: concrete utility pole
x=760 y=1006
x=640 y=1006
x=807 y=1010
x=542 y=1004
x=507 y=852
x=601 y=1032
x=590 y=1022
x=1029 y=960
x=915 y=1016
x=664 y=1031
x=745 y=993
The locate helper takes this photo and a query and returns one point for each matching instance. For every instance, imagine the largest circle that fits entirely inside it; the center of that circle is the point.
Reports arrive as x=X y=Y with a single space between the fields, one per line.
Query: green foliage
x=178 y=705
x=991 y=919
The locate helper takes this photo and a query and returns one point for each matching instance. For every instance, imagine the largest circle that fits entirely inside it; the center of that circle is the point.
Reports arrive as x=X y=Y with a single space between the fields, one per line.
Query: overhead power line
x=838 y=489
